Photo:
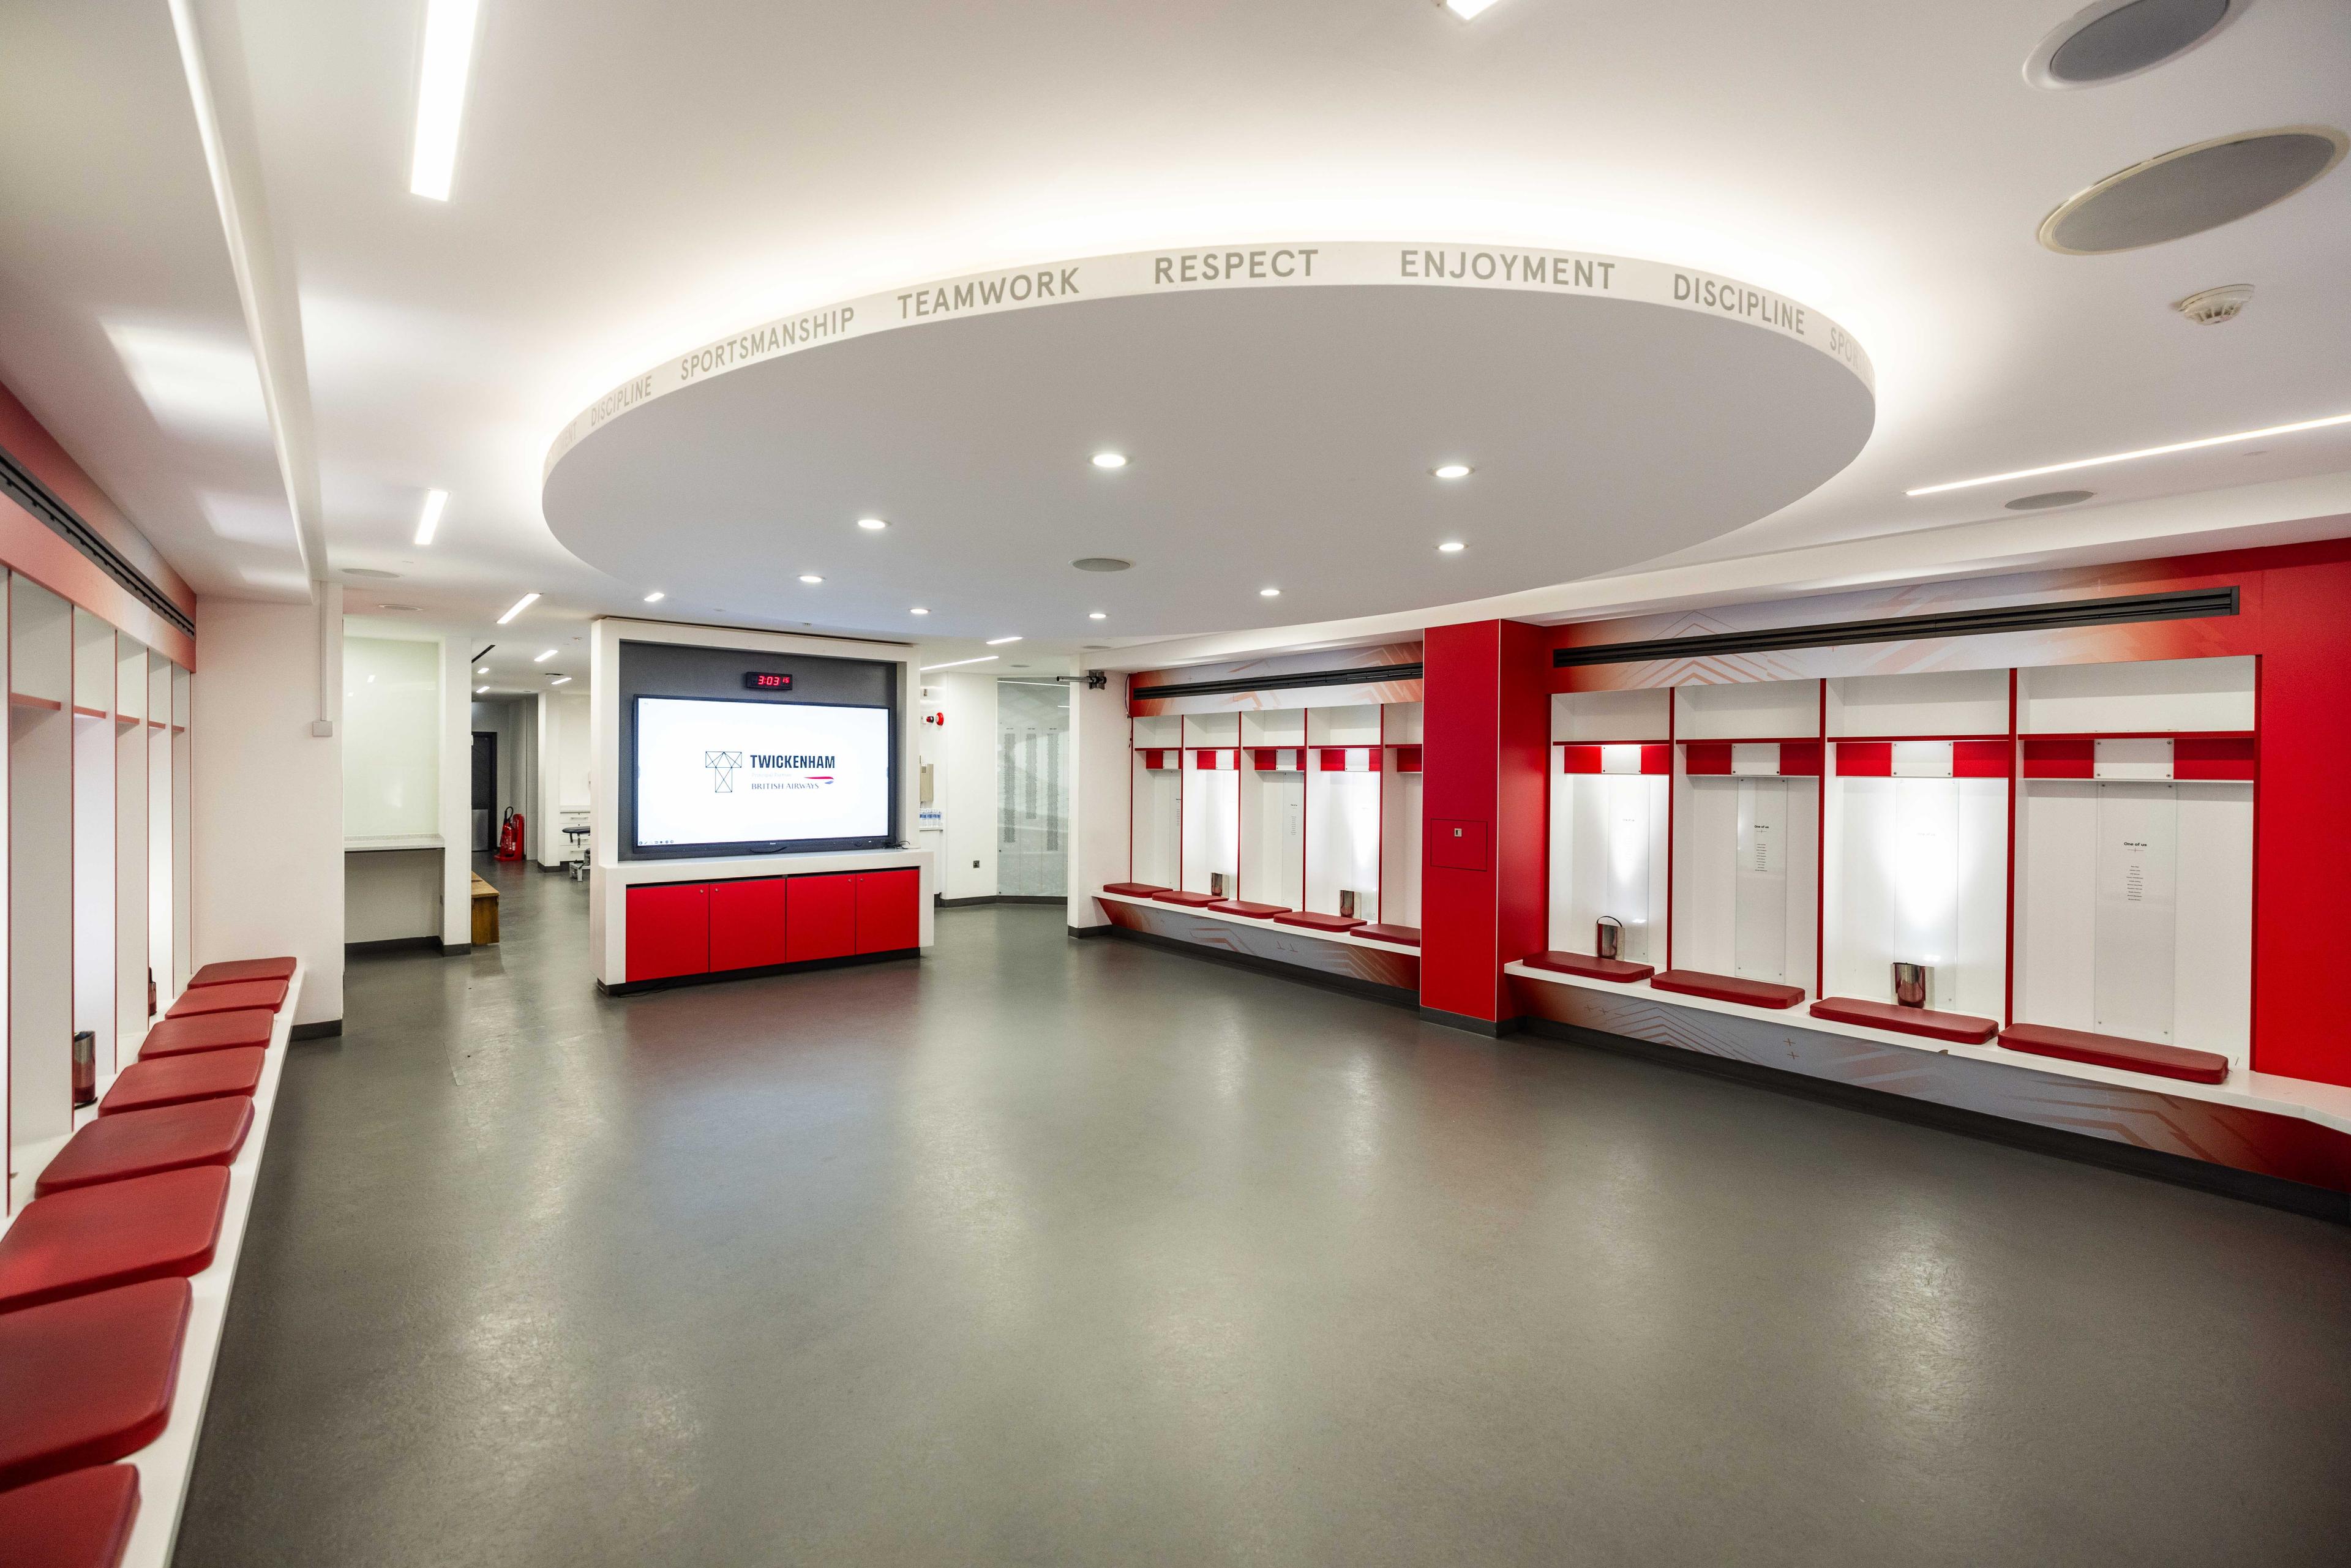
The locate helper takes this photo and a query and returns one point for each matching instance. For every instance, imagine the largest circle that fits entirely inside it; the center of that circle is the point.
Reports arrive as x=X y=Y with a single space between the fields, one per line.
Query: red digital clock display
x=765 y=681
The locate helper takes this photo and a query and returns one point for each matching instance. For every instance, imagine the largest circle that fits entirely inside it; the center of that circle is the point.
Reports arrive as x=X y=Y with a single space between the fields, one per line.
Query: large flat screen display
x=714 y=773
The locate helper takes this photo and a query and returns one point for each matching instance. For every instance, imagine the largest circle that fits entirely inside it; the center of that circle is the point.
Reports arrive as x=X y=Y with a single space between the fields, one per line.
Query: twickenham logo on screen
x=784 y=771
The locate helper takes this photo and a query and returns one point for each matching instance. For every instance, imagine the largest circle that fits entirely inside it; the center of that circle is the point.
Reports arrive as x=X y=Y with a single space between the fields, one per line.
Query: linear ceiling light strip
x=1367 y=676
x=2188 y=605
x=27 y=491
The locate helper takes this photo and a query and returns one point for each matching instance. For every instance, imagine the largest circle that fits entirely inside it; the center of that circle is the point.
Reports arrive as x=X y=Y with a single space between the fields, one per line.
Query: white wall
x=561 y=772
x=1097 y=796
x=267 y=807
x=970 y=733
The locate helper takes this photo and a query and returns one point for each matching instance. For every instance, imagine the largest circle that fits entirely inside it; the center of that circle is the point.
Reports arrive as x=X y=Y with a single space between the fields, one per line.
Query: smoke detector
x=2214 y=306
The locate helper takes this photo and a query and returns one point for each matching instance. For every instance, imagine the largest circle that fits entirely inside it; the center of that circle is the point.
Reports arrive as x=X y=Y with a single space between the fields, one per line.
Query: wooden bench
x=485 y=912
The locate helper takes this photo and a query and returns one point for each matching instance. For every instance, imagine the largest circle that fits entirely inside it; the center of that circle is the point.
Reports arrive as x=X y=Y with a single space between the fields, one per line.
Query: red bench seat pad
x=1314 y=922
x=86 y=1381
x=118 y=1233
x=1965 y=1029
x=1254 y=911
x=78 y=1520
x=1188 y=900
x=176 y=1080
x=233 y=997
x=142 y=1142
x=236 y=969
x=208 y=1031
x=2113 y=1050
x=1728 y=988
x=1401 y=936
x=1133 y=889
x=1620 y=971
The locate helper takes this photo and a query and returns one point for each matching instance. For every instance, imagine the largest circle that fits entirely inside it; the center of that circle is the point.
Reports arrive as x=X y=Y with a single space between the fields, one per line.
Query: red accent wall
x=2301 y=926
x=1485 y=741
x=27 y=546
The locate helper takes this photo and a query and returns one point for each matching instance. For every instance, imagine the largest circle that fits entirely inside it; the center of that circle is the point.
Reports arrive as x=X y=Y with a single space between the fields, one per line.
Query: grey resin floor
x=1051 y=1251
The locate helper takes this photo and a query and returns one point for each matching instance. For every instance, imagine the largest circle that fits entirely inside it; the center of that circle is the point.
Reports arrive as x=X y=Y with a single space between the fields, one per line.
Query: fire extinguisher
x=510 y=836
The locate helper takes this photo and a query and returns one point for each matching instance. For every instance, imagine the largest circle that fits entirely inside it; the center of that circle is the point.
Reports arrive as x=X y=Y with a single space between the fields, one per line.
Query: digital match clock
x=765 y=681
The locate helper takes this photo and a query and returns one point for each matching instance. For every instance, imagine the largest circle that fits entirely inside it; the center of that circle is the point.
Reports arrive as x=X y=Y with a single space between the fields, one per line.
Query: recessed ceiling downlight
x=1110 y=459
x=2048 y=499
x=2191 y=189
x=2116 y=38
x=1451 y=470
x=1101 y=563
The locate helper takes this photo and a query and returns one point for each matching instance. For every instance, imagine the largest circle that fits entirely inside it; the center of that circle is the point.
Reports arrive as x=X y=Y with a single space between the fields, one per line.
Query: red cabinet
x=889 y=910
x=823 y=922
x=747 y=923
x=669 y=931
x=710 y=927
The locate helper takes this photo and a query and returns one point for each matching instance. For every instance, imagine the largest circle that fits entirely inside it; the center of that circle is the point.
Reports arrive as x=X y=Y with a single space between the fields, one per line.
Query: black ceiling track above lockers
x=2189 y=604
x=1366 y=677
x=18 y=483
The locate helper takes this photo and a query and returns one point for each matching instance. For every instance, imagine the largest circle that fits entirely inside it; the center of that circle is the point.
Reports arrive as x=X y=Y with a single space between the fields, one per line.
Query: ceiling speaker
x=2048 y=499
x=2118 y=38
x=2191 y=189
x=1101 y=563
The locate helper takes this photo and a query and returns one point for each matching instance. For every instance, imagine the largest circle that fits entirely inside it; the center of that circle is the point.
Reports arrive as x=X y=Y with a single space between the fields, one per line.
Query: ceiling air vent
x=2118 y=38
x=2048 y=499
x=2186 y=604
x=2191 y=189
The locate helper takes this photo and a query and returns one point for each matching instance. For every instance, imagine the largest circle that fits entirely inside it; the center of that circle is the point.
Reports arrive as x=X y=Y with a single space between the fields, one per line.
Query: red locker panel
x=821 y=919
x=889 y=910
x=669 y=930
x=747 y=923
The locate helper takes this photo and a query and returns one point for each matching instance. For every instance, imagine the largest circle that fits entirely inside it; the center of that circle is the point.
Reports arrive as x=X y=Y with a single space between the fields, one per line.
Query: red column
x=2300 y=930
x=1484 y=825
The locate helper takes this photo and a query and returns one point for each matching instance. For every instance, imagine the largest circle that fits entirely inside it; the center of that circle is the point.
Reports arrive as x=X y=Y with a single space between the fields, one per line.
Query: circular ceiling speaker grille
x=2048 y=499
x=2118 y=38
x=1101 y=563
x=367 y=572
x=2191 y=189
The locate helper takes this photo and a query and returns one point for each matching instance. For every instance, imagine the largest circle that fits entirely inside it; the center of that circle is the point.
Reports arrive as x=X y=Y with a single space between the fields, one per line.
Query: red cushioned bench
x=1314 y=922
x=208 y=1031
x=1133 y=889
x=236 y=970
x=1401 y=936
x=2113 y=1050
x=1728 y=988
x=176 y=1080
x=116 y=1233
x=142 y=1142
x=1619 y=971
x=1254 y=911
x=86 y=1381
x=1963 y=1029
x=235 y=996
x=78 y=1520
x=1187 y=900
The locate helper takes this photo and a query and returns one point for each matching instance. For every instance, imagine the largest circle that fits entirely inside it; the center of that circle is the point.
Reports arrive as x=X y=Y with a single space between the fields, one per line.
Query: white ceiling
x=1279 y=438
x=636 y=180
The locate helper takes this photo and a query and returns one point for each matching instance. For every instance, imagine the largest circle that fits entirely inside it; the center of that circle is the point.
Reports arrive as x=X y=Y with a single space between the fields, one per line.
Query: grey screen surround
x=682 y=670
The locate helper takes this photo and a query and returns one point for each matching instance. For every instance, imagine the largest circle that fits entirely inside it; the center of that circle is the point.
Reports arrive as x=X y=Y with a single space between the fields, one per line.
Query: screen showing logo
x=714 y=772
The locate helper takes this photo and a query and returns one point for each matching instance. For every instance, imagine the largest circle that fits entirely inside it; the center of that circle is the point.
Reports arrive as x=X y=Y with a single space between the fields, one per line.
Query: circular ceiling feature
x=1452 y=471
x=1110 y=459
x=918 y=610
x=811 y=577
x=2191 y=189
x=2117 y=39
x=872 y=525
x=1620 y=410
x=1451 y=546
x=370 y=571
x=2048 y=499
x=1096 y=615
